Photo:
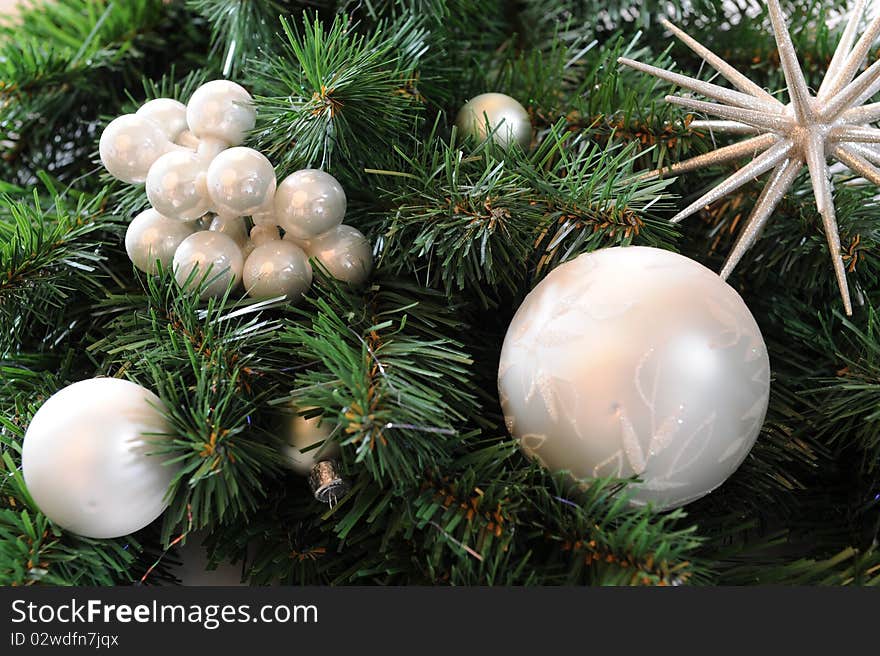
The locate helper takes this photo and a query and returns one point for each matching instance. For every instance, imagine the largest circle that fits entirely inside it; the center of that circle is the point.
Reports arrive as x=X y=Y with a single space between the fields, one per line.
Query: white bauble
x=262 y=234
x=240 y=181
x=129 y=146
x=301 y=436
x=277 y=268
x=265 y=217
x=505 y=116
x=231 y=226
x=308 y=203
x=86 y=458
x=188 y=140
x=215 y=257
x=176 y=185
x=636 y=361
x=221 y=109
x=152 y=237
x=209 y=147
x=344 y=252
x=168 y=114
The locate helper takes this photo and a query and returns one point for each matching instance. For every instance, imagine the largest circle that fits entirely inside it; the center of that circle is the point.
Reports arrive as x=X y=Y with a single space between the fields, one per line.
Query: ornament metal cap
x=326 y=483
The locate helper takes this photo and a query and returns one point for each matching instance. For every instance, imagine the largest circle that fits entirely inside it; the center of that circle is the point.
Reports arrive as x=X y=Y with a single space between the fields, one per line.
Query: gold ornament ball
x=506 y=119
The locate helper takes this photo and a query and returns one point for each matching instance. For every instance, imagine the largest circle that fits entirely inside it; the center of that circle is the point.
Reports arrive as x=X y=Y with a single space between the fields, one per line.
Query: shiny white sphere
x=301 y=434
x=636 y=361
x=262 y=234
x=277 y=268
x=129 y=146
x=86 y=458
x=308 y=203
x=265 y=217
x=176 y=186
x=167 y=113
x=231 y=226
x=221 y=109
x=208 y=148
x=240 y=181
x=188 y=140
x=214 y=256
x=344 y=252
x=509 y=120
x=152 y=237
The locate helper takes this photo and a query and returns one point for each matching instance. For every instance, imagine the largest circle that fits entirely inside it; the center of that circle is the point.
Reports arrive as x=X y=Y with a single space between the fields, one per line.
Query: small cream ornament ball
x=231 y=226
x=176 y=186
x=304 y=438
x=344 y=251
x=168 y=114
x=508 y=120
x=308 y=203
x=153 y=238
x=129 y=146
x=262 y=233
x=240 y=181
x=221 y=109
x=209 y=255
x=89 y=462
x=277 y=268
x=640 y=362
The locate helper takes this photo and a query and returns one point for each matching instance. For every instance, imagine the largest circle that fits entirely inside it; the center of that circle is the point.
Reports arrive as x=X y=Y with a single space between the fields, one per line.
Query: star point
x=785 y=138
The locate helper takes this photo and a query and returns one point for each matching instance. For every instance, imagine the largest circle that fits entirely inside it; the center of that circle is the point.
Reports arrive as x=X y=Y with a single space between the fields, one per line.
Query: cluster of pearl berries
x=202 y=185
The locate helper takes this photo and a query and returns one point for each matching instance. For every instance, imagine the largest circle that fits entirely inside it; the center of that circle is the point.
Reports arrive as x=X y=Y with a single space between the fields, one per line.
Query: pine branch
x=214 y=367
x=390 y=379
x=50 y=264
x=335 y=92
x=485 y=222
x=239 y=28
x=63 y=63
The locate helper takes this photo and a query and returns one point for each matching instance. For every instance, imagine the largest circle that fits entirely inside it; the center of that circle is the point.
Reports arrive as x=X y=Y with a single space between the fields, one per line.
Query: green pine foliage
x=402 y=370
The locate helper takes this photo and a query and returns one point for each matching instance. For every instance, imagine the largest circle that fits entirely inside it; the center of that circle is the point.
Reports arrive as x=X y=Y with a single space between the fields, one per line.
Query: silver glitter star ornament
x=785 y=138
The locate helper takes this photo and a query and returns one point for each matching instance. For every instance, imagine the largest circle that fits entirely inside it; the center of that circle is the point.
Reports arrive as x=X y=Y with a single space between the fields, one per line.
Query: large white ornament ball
x=308 y=203
x=176 y=186
x=509 y=120
x=345 y=252
x=152 y=237
x=277 y=268
x=636 y=361
x=129 y=146
x=304 y=438
x=214 y=256
x=240 y=181
x=221 y=109
x=87 y=460
x=168 y=114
